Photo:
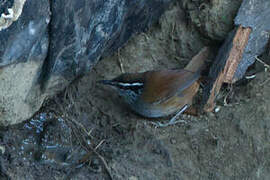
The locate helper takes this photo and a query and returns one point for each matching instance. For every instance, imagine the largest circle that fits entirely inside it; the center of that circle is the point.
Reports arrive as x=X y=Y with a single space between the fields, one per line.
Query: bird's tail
x=198 y=62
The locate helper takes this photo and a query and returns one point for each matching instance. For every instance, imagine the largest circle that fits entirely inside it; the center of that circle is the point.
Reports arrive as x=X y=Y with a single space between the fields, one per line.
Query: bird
x=160 y=93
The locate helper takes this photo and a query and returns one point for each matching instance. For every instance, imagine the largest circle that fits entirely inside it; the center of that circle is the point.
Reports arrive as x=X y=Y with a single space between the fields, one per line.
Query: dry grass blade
x=80 y=133
x=120 y=62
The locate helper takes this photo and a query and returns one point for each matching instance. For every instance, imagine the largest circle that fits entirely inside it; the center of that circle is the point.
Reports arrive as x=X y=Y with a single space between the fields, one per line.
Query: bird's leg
x=173 y=120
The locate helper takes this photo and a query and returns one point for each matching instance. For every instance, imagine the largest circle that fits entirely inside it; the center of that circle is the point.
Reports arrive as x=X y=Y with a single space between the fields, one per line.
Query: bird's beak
x=107 y=82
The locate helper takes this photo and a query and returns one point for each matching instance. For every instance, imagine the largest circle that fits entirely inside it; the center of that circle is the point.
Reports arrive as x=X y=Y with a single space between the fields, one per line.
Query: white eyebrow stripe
x=131 y=84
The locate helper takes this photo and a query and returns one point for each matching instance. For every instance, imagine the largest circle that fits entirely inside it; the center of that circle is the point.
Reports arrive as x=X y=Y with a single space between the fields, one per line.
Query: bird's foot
x=160 y=125
x=173 y=120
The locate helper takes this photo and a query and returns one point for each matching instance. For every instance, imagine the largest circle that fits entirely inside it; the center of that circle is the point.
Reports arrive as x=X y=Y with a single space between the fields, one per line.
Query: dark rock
x=84 y=31
x=27 y=36
x=4 y=5
x=10 y=11
x=23 y=49
x=255 y=15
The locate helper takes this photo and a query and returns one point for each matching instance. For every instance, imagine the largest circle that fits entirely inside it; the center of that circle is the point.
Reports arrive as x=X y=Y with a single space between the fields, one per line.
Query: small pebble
x=217 y=109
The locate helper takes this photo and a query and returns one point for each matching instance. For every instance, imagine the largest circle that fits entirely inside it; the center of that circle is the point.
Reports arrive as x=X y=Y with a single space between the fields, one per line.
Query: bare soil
x=87 y=132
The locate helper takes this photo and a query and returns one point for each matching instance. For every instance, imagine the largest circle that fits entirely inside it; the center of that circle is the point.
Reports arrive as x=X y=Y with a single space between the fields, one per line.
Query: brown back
x=161 y=85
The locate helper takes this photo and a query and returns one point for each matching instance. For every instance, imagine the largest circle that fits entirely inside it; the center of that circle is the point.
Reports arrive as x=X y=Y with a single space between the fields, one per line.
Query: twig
x=264 y=82
x=120 y=62
x=226 y=97
x=153 y=58
x=104 y=162
x=82 y=139
x=99 y=144
x=146 y=36
x=265 y=65
x=93 y=150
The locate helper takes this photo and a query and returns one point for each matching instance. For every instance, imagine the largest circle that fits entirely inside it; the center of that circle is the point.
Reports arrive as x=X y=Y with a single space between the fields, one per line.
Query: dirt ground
x=87 y=132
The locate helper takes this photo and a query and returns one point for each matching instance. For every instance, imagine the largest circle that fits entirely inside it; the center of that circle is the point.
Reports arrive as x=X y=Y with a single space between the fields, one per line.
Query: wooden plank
x=240 y=41
x=240 y=48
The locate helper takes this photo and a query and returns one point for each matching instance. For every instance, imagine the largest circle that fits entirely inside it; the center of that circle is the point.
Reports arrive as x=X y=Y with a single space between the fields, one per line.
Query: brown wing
x=160 y=85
